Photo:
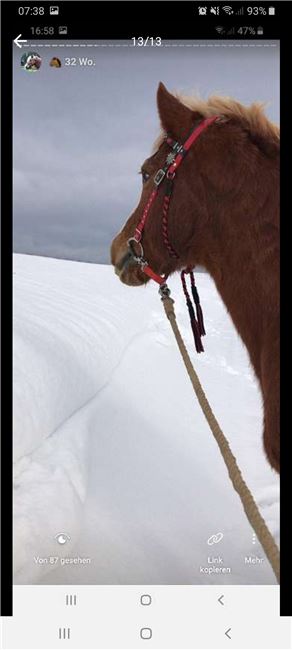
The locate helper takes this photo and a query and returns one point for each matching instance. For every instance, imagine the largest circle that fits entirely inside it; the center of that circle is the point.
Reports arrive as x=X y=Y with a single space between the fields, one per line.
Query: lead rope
x=251 y=510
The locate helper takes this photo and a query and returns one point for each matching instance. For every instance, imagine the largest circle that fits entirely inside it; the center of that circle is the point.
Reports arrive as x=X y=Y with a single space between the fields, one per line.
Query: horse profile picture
x=55 y=62
x=31 y=61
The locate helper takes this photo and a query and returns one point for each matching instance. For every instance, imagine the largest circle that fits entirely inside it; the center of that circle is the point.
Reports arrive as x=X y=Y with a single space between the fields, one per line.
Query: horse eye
x=145 y=176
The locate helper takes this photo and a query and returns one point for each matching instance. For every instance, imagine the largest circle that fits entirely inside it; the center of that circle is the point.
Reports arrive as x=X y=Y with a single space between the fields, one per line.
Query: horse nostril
x=124 y=261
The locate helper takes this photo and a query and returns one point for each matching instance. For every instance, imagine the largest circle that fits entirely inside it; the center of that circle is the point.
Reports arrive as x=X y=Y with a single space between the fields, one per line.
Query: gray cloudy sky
x=81 y=133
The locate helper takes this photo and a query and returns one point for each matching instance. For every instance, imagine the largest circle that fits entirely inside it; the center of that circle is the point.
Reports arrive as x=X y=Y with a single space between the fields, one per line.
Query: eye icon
x=62 y=538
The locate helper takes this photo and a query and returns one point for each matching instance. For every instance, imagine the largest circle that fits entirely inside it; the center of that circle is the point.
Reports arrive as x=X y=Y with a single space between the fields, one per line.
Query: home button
x=145 y=633
x=146 y=599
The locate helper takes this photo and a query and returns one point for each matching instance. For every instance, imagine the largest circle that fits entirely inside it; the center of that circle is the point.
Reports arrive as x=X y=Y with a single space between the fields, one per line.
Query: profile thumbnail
x=31 y=61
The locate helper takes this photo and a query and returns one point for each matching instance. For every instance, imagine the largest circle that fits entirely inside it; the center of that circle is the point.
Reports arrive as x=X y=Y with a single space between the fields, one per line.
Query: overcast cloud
x=81 y=133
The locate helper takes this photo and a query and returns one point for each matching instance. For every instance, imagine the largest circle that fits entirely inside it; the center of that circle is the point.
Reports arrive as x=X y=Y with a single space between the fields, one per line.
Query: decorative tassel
x=198 y=306
x=197 y=326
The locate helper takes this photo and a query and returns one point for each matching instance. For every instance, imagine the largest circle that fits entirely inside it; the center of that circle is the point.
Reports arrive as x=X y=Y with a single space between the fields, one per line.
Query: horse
x=223 y=216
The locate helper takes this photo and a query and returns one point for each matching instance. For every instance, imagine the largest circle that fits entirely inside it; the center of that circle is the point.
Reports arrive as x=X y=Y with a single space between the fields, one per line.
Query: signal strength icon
x=220 y=30
x=231 y=32
x=228 y=10
x=240 y=12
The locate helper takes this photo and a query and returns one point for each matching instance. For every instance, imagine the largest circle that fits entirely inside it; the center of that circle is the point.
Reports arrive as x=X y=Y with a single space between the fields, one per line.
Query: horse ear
x=174 y=116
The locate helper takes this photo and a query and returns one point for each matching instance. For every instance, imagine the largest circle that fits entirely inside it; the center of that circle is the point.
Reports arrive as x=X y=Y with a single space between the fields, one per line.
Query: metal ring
x=170 y=175
x=131 y=247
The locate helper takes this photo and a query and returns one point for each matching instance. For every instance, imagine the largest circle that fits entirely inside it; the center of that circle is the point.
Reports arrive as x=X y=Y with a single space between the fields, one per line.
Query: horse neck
x=242 y=256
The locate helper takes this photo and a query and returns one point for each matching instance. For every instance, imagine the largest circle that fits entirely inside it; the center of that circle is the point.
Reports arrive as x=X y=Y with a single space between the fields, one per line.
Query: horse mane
x=252 y=119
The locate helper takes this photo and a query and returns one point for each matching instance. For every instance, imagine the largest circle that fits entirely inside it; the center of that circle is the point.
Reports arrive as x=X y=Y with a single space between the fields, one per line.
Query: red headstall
x=168 y=173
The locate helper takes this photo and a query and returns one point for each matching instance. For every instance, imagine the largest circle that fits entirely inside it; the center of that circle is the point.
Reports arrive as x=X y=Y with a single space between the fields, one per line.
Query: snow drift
x=110 y=445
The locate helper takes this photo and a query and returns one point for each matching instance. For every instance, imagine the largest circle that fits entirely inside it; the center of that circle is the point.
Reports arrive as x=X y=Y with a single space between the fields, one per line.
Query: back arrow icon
x=220 y=599
x=18 y=40
x=226 y=633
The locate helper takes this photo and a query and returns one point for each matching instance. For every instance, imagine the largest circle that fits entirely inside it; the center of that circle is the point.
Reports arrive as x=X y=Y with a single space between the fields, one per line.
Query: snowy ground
x=110 y=445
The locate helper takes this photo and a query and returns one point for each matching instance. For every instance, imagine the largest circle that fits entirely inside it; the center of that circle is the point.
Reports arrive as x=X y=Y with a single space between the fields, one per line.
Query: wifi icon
x=220 y=30
x=228 y=10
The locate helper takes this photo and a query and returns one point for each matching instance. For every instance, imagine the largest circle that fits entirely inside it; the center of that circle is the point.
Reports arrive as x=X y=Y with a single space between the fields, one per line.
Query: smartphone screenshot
x=140 y=344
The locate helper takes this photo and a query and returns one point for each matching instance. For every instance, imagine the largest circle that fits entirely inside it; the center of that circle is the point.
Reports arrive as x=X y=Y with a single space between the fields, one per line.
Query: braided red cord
x=166 y=241
x=140 y=227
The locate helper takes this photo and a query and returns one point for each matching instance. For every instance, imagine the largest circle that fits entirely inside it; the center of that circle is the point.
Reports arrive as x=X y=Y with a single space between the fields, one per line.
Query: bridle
x=166 y=175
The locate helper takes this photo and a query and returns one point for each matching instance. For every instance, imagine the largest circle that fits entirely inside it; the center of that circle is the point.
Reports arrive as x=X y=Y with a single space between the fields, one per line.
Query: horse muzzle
x=128 y=271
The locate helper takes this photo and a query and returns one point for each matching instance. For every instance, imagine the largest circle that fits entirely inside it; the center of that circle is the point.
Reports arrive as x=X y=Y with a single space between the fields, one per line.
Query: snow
x=110 y=445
